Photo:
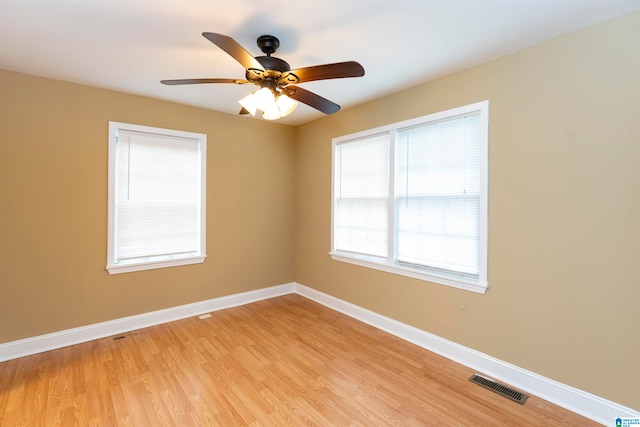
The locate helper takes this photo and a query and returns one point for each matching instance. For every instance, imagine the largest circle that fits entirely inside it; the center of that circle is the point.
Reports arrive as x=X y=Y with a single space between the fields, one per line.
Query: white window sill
x=152 y=265
x=453 y=281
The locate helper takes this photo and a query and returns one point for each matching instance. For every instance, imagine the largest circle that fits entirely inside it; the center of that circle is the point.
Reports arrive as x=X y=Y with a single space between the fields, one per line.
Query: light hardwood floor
x=278 y=362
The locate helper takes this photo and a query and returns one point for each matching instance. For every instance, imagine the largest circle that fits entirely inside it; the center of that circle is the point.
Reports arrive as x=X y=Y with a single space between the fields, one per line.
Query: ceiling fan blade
x=311 y=99
x=338 y=70
x=234 y=49
x=199 y=81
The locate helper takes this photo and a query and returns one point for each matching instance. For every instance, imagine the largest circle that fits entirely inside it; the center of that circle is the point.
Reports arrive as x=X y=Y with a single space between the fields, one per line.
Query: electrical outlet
x=204 y=316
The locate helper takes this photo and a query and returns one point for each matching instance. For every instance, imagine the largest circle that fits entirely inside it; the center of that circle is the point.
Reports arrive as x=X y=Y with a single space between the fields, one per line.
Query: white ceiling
x=130 y=45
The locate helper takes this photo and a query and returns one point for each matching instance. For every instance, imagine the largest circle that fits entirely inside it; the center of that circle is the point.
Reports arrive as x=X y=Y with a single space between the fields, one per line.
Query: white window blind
x=411 y=198
x=361 y=196
x=438 y=195
x=156 y=199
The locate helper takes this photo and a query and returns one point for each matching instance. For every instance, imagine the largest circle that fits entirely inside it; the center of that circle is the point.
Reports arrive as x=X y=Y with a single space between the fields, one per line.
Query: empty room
x=339 y=213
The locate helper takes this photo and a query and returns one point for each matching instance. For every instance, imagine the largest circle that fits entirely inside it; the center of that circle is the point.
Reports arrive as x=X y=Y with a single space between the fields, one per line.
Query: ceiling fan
x=276 y=79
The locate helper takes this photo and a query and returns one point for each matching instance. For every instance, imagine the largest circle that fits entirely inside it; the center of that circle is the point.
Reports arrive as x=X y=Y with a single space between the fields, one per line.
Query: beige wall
x=53 y=207
x=564 y=212
x=564 y=236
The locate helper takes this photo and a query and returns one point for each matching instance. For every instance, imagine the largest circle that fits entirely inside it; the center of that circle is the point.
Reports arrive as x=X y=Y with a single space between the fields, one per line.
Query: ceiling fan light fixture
x=286 y=105
x=265 y=99
x=249 y=104
x=273 y=105
x=273 y=114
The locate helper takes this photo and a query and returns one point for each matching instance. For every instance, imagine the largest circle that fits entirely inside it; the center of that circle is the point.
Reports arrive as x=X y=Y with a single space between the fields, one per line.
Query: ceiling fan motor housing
x=273 y=67
x=273 y=63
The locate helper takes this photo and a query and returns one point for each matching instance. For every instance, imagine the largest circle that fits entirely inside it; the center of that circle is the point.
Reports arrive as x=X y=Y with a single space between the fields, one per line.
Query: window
x=156 y=198
x=411 y=198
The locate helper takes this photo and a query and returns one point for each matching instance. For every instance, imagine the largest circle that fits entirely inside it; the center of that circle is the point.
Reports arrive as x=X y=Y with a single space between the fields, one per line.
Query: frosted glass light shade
x=286 y=105
x=272 y=114
x=249 y=104
x=265 y=100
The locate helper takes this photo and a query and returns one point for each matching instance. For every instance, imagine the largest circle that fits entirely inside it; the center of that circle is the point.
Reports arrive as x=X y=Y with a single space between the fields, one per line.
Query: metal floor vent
x=507 y=392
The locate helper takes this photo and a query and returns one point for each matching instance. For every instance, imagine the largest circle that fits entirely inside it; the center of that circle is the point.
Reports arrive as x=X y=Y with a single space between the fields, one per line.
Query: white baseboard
x=28 y=346
x=573 y=399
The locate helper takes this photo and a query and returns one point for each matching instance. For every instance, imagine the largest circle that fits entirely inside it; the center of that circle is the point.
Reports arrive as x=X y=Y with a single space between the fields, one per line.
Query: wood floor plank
x=281 y=361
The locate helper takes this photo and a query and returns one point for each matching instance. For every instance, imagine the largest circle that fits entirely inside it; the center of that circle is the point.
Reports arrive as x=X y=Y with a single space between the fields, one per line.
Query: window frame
x=390 y=264
x=114 y=267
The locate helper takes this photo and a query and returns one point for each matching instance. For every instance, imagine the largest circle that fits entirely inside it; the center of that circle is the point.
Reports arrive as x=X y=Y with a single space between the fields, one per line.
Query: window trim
x=389 y=265
x=116 y=268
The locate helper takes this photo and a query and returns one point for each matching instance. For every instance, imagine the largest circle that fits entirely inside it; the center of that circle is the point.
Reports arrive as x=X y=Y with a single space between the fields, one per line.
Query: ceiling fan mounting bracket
x=268 y=44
